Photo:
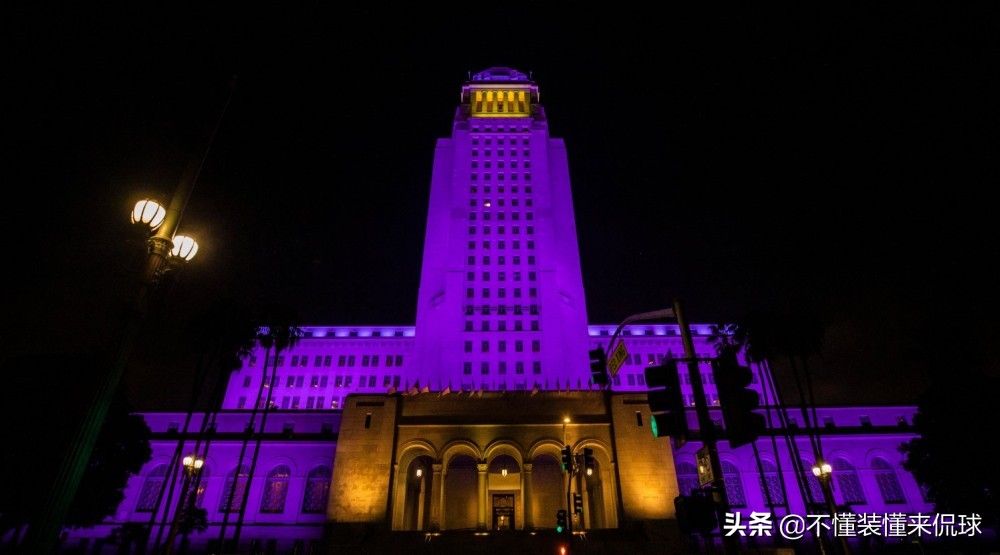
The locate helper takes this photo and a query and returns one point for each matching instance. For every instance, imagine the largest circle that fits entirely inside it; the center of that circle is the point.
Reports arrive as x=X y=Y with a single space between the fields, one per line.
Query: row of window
x=516 y=216
x=323 y=381
x=487 y=203
x=516 y=244
x=484 y=367
x=512 y=140
x=488 y=176
x=500 y=165
x=302 y=361
x=501 y=259
x=501 y=129
x=470 y=293
x=500 y=188
x=845 y=479
x=501 y=310
x=484 y=346
x=275 y=495
x=484 y=325
x=501 y=276
x=502 y=230
x=500 y=152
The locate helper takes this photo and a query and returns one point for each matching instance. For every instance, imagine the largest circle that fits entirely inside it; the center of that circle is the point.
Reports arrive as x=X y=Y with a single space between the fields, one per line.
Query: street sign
x=617 y=358
x=705 y=473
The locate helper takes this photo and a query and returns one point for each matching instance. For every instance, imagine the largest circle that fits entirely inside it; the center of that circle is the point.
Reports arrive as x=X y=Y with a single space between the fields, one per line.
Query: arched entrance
x=504 y=493
x=593 y=498
x=460 y=491
x=417 y=500
x=547 y=490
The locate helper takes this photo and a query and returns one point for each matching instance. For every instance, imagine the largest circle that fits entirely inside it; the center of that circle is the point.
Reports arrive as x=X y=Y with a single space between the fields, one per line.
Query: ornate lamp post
x=164 y=252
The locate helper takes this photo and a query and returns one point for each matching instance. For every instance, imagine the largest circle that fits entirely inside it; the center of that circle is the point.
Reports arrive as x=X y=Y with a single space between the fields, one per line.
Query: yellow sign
x=617 y=358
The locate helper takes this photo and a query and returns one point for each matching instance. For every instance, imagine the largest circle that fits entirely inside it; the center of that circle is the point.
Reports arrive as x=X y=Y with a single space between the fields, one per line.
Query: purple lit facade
x=501 y=311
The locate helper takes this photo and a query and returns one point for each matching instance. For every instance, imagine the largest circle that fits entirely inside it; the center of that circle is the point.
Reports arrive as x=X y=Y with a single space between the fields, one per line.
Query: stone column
x=526 y=485
x=481 y=522
x=436 y=497
x=588 y=521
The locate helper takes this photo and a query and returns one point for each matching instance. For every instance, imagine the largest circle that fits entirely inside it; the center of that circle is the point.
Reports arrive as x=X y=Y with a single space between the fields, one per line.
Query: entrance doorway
x=503 y=511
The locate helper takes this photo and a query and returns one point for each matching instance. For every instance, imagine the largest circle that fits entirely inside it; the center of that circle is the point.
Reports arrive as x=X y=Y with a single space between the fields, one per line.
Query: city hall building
x=458 y=422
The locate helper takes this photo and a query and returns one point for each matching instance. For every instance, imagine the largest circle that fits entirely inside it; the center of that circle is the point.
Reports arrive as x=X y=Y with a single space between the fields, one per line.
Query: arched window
x=151 y=489
x=771 y=480
x=888 y=482
x=232 y=491
x=687 y=478
x=317 y=490
x=848 y=482
x=202 y=481
x=734 y=485
x=814 y=495
x=276 y=490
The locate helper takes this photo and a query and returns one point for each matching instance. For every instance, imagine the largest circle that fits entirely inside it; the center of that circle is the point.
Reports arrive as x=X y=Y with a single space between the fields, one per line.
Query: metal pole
x=730 y=545
x=43 y=534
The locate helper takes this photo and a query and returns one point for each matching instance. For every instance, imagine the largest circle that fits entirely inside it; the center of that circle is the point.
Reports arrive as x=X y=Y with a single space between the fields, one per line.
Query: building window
x=399 y=360
x=234 y=489
x=241 y=403
x=468 y=346
x=299 y=380
x=536 y=367
x=467 y=368
x=518 y=325
x=502 y=367
x=290 y=382
x=502 y=324
x=276 y=490
x=888 y=482
x=536 y=346
x=734 y=485
x=848 y=482
x=687 y=478
x=484 y=368
x=519 y=367
x=485 y=347
x=534 y=325
x=151 y=489
x=518 y=346
x=770 y=484
x=468 y=327
x=317 y=490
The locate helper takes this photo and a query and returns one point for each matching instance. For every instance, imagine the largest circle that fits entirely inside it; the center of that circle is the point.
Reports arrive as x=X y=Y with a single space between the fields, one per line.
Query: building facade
x=459 y=421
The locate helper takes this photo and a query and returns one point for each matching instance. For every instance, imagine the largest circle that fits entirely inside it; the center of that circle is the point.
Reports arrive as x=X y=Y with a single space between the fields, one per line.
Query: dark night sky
x=840 y=161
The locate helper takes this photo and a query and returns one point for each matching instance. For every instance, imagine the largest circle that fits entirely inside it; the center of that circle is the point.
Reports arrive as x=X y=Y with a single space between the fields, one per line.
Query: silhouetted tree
x=949 y=459
x=33 y=445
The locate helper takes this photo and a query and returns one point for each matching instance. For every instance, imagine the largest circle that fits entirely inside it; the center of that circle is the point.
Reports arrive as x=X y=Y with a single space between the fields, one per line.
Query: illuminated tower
x=501 y=301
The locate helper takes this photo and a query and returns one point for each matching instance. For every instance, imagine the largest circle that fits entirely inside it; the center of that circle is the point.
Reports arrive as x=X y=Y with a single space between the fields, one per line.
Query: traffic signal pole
x=730 y=545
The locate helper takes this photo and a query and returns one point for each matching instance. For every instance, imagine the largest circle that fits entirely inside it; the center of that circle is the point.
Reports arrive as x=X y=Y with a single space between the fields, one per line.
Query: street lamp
x=193 y=463
x=164 y=252
x=822 y=470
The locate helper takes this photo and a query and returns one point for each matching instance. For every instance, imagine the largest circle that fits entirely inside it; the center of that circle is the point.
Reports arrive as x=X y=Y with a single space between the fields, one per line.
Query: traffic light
x=567 y=459
x=667 y=404
x=598 y=366
x=562 y=525
x=738 y=401
x=578 y=503
x=588 y=460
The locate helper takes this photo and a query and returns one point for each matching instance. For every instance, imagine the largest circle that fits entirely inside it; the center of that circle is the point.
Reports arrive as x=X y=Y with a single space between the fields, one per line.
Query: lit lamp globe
x=822 y=469
x=149 y=213
x=184 y=248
